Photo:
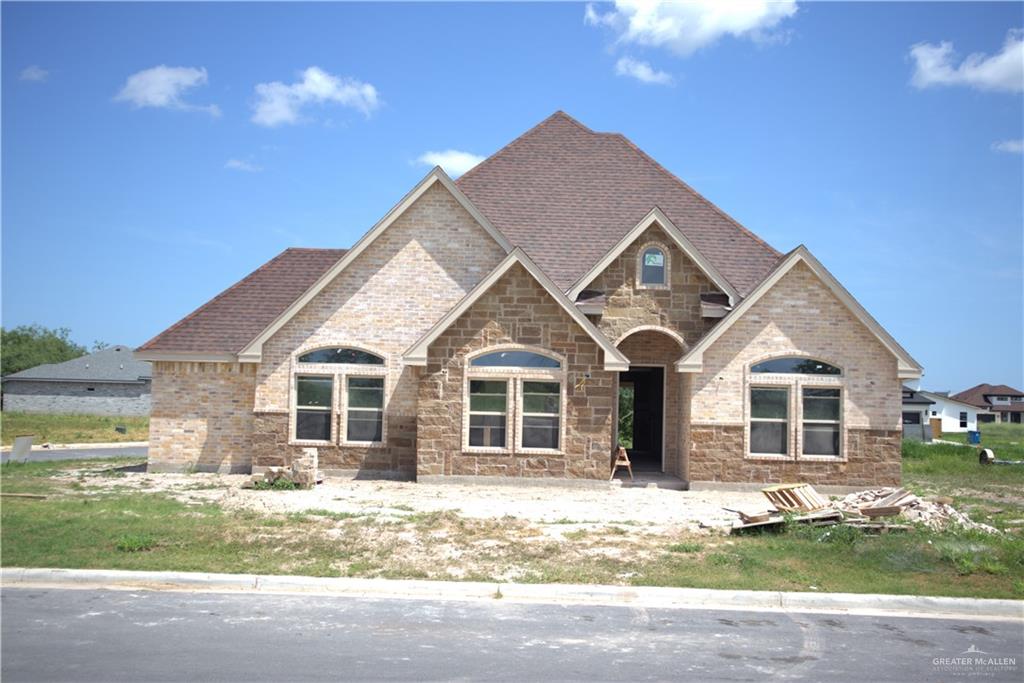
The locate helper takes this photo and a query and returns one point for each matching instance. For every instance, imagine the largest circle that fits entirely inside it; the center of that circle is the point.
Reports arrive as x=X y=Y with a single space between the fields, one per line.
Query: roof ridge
x=558 y=114
x=315 y=249
x=220 y=296
x=632 y=145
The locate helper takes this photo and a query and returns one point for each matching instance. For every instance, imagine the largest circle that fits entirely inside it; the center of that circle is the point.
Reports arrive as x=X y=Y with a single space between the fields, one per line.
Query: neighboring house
x=1005 y=403
x=483 y=328
x=949 y=415
x=108 y=382
x=916 y=407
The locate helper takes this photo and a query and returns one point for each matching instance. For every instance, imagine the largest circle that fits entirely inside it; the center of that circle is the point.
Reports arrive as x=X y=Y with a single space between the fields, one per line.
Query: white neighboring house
x=956 y=416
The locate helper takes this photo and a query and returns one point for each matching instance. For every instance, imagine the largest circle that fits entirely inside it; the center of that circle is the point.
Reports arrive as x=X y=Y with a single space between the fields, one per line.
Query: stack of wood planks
x=795 y=497
x=891 y=505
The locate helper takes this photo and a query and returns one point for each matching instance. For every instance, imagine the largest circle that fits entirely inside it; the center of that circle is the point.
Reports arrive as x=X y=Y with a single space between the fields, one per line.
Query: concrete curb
x=632 y=596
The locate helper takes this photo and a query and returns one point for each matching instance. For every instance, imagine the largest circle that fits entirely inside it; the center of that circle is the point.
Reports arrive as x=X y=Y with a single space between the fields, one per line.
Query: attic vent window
x=341 y=355
x=652 y=268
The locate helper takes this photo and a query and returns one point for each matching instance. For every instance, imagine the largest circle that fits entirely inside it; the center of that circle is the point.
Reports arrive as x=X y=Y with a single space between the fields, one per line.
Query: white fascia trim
x=185 y=357
x=656 y=216
x=907 y=367
x=253 y=351
x=417 y=353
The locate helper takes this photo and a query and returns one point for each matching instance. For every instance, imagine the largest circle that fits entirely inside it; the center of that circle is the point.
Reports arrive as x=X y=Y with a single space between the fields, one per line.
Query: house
x=1006 y=404
x=916 y=407
x=108 y=382
x=949 y=415
x=482 y=329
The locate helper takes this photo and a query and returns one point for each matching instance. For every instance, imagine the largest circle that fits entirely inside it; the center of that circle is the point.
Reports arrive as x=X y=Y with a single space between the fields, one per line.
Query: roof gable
x=567 y=195
x=613 y=358
x=907 y=367
x=253 y=350
x=656 y=217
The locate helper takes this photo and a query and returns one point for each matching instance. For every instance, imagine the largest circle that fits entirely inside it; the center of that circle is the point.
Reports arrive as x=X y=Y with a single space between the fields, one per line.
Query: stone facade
x=717 y=455
x=516 y=310
x=84 y=398
x=799 y=316
x=386 y=299
x=676 y=307
x=202 y=417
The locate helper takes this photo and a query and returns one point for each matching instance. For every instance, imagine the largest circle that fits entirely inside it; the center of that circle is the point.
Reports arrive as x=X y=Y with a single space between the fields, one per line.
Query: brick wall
x=95 y=398
x=201 y=417
x=676 y=308
x=386 y=299
x=516 y=310
x=798 y=317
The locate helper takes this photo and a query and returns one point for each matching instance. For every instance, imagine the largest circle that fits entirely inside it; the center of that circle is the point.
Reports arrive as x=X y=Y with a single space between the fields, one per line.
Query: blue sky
x=128 y=203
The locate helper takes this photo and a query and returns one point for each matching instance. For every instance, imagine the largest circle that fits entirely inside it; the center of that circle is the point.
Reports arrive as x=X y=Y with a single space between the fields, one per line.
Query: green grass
x=1006 y=440
x=71 y=428
x=81 y=525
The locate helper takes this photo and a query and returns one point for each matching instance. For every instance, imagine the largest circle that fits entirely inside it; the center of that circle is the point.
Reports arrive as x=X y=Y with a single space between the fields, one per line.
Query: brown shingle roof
x=232 y=319
x=567 y=195
x=976 y=395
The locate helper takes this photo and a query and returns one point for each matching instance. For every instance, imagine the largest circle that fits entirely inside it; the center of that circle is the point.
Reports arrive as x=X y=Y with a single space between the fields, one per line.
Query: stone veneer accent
x=516 y=310
x=202 y=417
x=630 y=306
x=799 y=316
x=717 y=455
x=650 y=347
x=386 y=299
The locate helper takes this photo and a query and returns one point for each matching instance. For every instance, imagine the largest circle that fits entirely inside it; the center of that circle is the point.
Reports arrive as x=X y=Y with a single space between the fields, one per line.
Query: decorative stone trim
x=667 y=266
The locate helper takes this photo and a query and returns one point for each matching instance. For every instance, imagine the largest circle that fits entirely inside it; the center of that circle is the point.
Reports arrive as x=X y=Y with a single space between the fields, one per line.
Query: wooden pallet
x=795 y=497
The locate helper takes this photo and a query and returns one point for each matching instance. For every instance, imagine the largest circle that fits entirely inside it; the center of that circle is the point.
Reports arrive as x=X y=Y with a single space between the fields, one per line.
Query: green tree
x=27 y=346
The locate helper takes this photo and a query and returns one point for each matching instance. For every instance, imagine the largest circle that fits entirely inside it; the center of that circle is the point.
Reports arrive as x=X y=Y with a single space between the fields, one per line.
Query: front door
x=642 y=416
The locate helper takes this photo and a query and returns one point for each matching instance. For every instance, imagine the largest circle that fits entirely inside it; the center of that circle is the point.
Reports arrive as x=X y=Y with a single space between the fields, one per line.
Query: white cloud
x=685 y=27
x=933 y=66
x=34 y=73
x=279 y=103
x=642 y=71
x=1009 y=146
x=240 y=165
x=162 y=87
x=453 y=161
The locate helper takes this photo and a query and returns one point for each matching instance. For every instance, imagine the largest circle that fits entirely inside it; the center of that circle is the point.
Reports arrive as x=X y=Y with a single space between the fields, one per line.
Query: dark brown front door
x=648 y=416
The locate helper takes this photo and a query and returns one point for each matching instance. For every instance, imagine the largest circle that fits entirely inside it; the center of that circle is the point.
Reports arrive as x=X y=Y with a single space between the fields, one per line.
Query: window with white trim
x=820 y=413
x=653 y=267
x=488 y=413
x=339 y=397
x=513 y=402
x=769 y=420
x=541 y=408
x=314 y=403
x=364 y=421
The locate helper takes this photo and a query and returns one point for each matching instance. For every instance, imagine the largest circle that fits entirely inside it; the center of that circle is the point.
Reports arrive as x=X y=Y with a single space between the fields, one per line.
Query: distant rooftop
x=112 y=364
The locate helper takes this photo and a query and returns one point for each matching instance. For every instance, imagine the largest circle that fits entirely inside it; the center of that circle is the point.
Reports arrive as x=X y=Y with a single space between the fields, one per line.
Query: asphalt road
x=94 y=635
x=79 y=453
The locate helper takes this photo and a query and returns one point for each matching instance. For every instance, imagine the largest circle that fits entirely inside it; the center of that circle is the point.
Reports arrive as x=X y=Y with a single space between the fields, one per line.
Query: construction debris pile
x=935 y=513
x=869 y=510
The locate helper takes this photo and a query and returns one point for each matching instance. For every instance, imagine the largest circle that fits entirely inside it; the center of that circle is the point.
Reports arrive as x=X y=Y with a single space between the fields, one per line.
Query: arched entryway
x=649 y=423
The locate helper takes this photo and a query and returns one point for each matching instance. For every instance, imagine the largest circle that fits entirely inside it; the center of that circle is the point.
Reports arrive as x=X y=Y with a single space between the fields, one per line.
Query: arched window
x=514 y=359
x=653 y=267
x=795 y=366
x=341 y=355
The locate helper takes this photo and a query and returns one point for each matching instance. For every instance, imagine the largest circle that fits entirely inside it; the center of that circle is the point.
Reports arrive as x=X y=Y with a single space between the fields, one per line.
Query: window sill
x=656 y=287
x=540 y=451
x=363 y=444
x=822 y=458
x=484 y=450
x=309 y=443
x=767 y=456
